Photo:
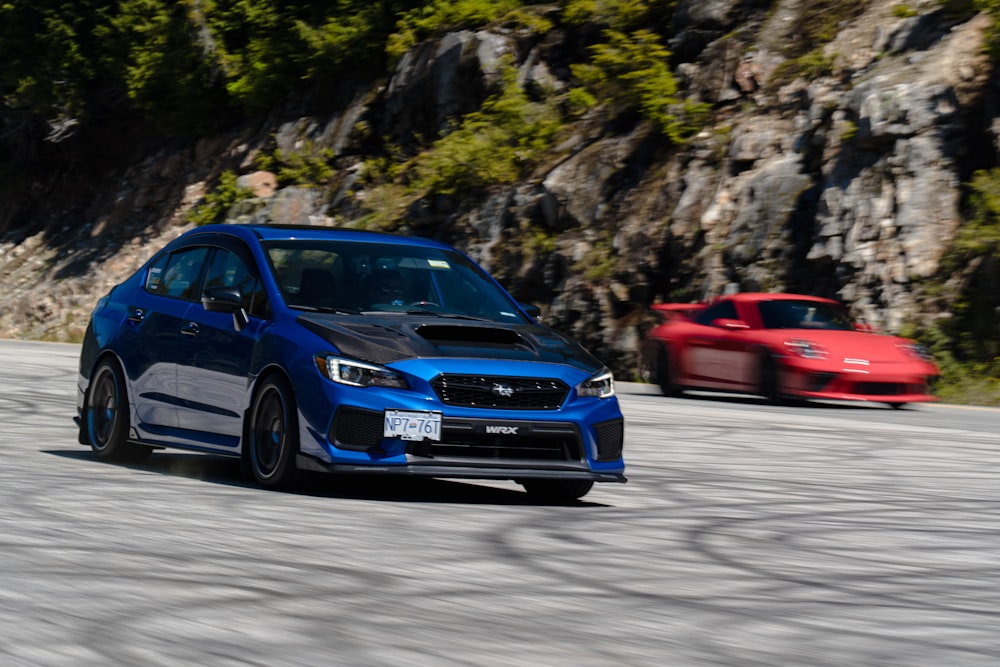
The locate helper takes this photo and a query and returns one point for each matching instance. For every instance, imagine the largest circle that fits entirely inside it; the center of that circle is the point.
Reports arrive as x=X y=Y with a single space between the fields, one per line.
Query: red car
x=783 y=346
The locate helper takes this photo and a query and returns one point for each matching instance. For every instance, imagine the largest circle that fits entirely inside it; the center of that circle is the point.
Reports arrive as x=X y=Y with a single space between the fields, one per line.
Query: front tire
x=273 y=435
x=557 y=490
x=106 y=416
x=769 y=385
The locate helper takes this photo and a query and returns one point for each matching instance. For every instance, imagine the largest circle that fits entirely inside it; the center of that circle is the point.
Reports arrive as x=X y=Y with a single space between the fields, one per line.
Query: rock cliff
x=845 y=184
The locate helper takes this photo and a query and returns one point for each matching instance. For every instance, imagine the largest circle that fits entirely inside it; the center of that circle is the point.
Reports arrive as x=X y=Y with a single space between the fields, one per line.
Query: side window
x=723 y=309
x=228 y=270
x=154 y=279
x=177 y=274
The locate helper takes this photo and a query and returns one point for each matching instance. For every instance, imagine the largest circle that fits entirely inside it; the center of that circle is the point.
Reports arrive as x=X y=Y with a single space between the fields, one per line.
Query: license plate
x=412 y=425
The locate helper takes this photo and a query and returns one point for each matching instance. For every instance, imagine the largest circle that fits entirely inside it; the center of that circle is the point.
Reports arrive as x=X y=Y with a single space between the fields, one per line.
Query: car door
x=154 y=343
x=714 y=347
x=213 y=377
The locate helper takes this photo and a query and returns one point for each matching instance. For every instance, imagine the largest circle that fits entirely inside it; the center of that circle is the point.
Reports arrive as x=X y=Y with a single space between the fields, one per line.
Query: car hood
x=383 y=340
x=871 y=347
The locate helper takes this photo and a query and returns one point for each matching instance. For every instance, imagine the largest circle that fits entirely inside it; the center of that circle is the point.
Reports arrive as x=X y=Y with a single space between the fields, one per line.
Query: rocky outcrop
x=846 y=186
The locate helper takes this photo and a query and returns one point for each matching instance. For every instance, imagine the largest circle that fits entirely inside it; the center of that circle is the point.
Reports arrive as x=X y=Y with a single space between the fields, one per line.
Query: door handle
x=190 y=329
x=136 y=316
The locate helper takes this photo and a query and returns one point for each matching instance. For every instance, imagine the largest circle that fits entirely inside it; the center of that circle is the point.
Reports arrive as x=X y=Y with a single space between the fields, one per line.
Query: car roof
x=315 y=232
x=757 y=297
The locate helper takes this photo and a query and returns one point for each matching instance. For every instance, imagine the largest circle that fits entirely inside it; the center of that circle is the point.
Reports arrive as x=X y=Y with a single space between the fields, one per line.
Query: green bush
x=633 y=71
x=810 y=65
x=436 y=17
x=496 y=144
x=308 y=166
x=217 y=203
x=56 y=58
x=620 y=15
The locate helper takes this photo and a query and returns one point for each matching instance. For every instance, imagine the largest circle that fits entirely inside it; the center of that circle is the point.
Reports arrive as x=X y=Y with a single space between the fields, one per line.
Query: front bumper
x=456 y=470
x=477 y=447
x=884 y=386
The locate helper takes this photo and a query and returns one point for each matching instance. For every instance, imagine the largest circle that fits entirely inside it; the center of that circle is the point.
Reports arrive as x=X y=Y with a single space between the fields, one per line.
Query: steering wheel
x=424 y=304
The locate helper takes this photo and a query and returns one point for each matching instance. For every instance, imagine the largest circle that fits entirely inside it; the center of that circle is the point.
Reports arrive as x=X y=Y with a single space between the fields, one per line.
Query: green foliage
x=963 y=380
x=187 y=65
x=620 y=15
x=385 y=206
x=818 y=22
x=267 y=49
x=308 y=166
x=216 y=204
x=496 y=144
x=438 y=16
x=598 y=263
x=964 y=9
x=810 y=65
x=850 y=131
x=540 y=240
x=903 y=11
x=170 y=77
x=966 y=344
x=633 y=70
x=981 y=234
x=54 y=56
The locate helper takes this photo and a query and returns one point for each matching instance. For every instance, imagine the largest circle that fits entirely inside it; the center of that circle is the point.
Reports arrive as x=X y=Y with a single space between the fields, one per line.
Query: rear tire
x=106 y=416
x=273 y=435
x=558 y=490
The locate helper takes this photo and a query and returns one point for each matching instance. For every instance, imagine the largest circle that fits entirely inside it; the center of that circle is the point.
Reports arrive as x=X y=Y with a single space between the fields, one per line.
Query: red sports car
x=783 y=346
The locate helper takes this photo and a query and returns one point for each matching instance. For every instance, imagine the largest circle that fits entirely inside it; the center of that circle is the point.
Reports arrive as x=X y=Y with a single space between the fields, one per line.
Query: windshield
x=353 y=277
x=786 y=314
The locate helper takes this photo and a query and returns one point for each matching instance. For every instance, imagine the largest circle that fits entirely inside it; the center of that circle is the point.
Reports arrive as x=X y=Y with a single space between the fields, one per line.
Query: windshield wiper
x=454 y=316
x=327 y=309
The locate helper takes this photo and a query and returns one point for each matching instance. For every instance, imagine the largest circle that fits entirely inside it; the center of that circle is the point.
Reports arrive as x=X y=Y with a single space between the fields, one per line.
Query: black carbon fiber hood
x=383 y=340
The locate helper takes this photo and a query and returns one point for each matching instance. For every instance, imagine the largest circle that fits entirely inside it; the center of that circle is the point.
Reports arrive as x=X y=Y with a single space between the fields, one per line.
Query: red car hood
x=859 y=345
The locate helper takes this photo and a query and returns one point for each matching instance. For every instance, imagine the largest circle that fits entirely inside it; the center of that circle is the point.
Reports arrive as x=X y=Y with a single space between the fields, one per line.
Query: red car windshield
x=787 y=314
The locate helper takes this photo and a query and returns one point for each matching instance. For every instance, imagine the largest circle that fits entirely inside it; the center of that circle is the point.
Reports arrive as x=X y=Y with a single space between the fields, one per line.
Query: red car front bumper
x=891 y=384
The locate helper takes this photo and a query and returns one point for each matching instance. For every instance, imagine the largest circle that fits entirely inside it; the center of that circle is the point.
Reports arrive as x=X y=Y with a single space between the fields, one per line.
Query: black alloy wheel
x=106 y=416
x=273 y=435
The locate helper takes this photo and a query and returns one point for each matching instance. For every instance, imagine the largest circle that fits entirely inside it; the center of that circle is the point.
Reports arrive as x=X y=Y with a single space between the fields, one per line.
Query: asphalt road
x=848 y=535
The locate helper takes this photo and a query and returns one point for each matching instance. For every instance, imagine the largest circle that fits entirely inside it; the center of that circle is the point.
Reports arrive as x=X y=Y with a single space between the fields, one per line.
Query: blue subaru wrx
x=337 y=350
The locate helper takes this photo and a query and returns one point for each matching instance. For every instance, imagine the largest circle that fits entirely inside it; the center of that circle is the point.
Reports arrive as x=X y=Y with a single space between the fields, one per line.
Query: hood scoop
x=472 y=336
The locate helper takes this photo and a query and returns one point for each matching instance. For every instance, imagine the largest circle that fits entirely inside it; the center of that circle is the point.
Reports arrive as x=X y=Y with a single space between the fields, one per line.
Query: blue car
x=314 y=348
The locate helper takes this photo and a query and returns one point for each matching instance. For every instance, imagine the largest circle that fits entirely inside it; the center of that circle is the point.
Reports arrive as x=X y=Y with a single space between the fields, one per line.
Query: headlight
x=601 y=385
x=358 y=373
x=916 y=350
x=806 y=349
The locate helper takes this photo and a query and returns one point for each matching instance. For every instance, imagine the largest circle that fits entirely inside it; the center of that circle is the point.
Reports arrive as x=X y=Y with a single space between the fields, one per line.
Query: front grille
x=881 y=388
x=357 y=429
x=361 y=430
x=610 y=439
x=501 y=393
x=819 y=381
x=498 y=448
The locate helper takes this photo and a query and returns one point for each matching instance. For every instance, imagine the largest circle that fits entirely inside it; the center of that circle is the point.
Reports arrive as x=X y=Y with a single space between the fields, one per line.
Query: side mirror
x=531 y=310
x=226 y=300
x=730 y=325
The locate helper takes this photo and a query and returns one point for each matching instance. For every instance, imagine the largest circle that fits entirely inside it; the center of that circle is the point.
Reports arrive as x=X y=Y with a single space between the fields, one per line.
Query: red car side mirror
x=730 y=325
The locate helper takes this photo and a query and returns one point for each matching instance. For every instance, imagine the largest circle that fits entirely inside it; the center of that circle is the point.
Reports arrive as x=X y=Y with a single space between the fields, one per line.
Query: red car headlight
x=916 y=350
x=806 y=349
